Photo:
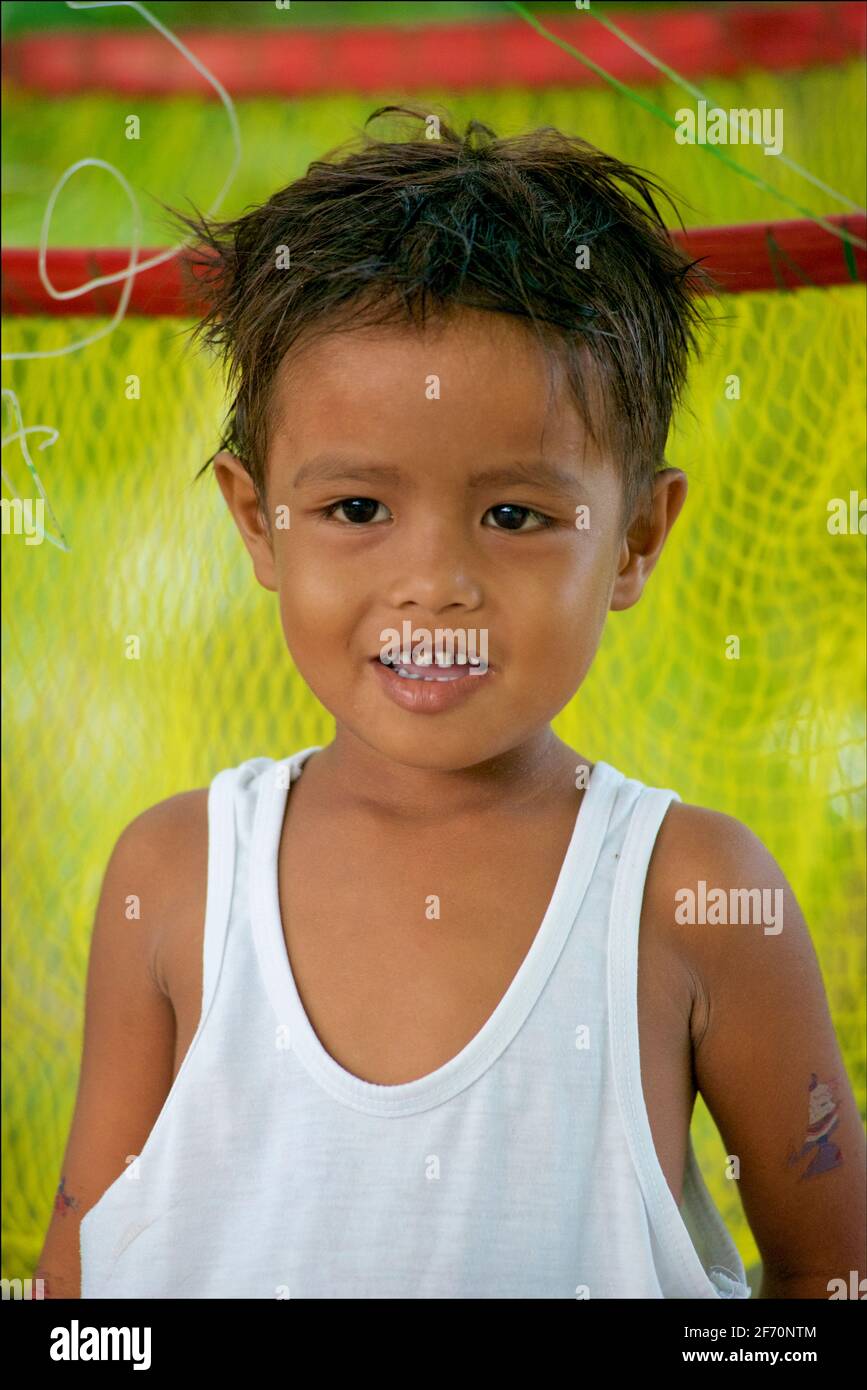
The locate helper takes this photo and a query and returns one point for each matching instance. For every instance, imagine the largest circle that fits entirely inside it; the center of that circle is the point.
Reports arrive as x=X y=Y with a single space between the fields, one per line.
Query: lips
x=429 y=690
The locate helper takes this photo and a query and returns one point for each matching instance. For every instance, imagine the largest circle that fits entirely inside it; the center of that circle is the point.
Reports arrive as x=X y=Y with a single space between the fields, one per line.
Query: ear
x=239 y=491
x=642 y=544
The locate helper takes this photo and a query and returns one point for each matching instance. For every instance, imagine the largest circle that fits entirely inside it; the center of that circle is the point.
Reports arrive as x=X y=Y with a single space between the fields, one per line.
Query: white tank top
x=523 y=1167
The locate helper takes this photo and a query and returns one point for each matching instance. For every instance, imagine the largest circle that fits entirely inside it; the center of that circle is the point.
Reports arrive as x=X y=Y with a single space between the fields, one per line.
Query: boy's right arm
x=129 y=1030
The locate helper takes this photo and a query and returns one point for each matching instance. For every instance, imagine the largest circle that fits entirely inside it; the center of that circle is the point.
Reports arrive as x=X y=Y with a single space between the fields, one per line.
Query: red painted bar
x=751 y=256
x=761 y=255
x=390 y=60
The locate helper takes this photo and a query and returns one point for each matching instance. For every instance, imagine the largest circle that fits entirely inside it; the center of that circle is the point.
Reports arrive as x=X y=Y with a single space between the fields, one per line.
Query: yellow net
x=93 y=735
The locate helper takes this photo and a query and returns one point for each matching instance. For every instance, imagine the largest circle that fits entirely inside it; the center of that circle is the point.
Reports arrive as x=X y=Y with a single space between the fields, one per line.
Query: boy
x=418 y=1014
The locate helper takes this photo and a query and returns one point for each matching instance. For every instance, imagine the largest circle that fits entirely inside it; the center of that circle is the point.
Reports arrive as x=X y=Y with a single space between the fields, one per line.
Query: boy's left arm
x=765 y=1054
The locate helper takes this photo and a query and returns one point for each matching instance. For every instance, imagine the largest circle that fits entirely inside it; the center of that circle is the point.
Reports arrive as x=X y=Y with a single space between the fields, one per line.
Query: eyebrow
x=542 y=473
x=331 y=469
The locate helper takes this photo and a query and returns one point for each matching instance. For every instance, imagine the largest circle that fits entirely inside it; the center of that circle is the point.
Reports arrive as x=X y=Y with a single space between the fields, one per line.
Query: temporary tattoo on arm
x=64 y=1201
x=823 y=1117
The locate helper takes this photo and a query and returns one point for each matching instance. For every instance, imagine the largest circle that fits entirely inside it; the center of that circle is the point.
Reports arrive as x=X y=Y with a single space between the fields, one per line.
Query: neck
x=535 y=771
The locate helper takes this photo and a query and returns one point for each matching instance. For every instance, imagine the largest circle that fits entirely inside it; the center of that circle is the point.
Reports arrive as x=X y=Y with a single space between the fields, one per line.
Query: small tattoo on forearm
x=63 y=1202
x=823 y=1118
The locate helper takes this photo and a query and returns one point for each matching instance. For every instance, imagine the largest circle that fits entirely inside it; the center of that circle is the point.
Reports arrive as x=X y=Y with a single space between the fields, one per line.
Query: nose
x=435 y=570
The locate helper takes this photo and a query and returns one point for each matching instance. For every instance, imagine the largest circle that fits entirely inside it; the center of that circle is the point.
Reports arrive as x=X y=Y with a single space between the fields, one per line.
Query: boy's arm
x=129 y=1027
x=766 y=1057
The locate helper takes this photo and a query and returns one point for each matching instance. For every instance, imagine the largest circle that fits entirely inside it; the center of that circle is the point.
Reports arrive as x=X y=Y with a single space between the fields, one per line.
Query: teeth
x=434 y=661
x=414 y=675
x=440 y=664
x=443 y=663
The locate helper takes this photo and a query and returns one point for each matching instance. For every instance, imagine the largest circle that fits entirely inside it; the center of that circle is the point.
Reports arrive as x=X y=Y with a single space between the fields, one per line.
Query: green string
x=841 y=232
x=694 y=91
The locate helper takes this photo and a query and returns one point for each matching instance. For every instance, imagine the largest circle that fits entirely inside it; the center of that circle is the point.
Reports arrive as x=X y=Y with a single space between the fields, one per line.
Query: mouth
x=428 y=687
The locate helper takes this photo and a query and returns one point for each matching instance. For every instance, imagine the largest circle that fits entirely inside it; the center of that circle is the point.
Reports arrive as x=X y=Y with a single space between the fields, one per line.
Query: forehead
x=474 y=380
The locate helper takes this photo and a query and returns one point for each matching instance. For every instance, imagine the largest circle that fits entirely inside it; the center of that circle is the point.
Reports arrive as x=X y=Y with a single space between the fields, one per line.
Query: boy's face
x=438 y=544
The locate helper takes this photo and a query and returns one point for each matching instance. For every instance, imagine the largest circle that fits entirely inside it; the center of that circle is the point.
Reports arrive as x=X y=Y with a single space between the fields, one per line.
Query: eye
x=513 y=516
x=360 y=509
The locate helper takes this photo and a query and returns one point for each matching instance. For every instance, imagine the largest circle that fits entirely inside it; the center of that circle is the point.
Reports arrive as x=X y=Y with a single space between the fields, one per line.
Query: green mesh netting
x=185 y=148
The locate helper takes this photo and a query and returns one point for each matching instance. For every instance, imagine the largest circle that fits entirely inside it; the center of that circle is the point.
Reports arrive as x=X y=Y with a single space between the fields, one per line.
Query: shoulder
x=717 y=897
x=691 y=837
x=159 y=841
x=169 y=841
x=161 y=857
x=696 y=845
x=181 y=813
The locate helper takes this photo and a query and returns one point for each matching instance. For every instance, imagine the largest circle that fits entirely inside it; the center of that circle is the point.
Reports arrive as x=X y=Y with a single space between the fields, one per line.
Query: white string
x=134 y=265
x=21 y=433
x=133 y=268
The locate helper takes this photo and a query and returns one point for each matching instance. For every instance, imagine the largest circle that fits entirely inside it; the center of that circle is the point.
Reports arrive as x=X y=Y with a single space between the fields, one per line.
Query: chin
x=431 y=749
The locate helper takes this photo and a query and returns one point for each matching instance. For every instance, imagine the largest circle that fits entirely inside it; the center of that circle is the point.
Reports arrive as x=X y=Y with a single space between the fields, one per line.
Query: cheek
x=313 y=622
x=310 y=600
x=558 y=622
x=570 y=596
